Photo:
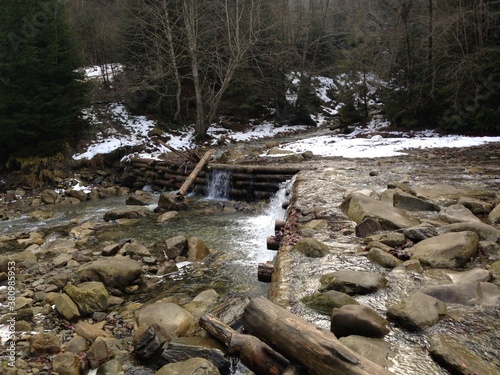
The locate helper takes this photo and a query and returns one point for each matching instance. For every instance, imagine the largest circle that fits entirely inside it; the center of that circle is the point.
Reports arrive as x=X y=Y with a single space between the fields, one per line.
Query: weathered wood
x=265 y=272
x=279 y=225
x=254 y=354
x=261 y=177
x=318 y=351
x=273 y=243
x=256 y=168
x=218 y=329
x=293 y=370
x=258 y=356
x=189 y=181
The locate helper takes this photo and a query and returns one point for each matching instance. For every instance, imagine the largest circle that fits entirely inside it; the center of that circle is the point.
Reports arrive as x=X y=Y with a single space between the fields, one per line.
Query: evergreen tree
x=41 y=94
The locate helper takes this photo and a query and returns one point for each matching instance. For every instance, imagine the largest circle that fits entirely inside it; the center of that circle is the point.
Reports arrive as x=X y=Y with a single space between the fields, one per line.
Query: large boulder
x=352 y=282
x=448 y=250
x=458 y=358
x=127 y=212
x=494 y=215
x=357 y=320
x=458 y=213
x=168 y=202
x=484 y=231
x=417 y=311
x=358 y=207
x=467 y=293
x=409 y=202
x=169 y=316
x=197 y=250
x=90 y=297
x=115 y=272
x=176 y=246
x=311 y=247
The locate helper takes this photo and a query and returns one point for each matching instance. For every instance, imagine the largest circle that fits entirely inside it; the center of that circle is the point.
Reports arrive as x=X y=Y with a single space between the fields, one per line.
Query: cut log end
x=265 y=272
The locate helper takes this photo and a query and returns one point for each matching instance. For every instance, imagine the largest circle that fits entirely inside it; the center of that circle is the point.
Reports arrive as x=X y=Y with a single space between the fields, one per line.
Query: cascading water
x=219 y=184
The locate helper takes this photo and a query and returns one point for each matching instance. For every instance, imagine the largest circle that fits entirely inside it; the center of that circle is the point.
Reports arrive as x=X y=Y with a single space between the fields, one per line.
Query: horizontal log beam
x=255 y=168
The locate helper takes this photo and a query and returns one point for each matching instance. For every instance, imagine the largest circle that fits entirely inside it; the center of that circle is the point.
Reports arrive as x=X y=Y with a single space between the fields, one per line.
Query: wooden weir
x=248 y=182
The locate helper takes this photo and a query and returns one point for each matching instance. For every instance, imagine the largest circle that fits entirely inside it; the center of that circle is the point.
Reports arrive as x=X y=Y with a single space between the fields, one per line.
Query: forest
x=196 y=61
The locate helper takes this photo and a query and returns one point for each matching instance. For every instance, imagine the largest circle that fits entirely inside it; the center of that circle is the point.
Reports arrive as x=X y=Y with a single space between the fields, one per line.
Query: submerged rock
x=193 y=366
x=325 y=302
x=311 y=247
x=467 y=293
x=457 y=357
x=352 y=282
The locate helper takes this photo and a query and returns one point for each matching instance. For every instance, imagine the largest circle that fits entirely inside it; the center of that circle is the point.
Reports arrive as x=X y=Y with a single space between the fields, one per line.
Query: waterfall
x=219 y=184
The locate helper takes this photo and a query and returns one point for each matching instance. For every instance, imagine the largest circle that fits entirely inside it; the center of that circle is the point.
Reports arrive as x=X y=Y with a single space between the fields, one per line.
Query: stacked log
x=248 y=182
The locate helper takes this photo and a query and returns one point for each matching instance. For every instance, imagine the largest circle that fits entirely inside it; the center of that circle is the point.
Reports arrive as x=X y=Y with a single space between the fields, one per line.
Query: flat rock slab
x=352 y=282
x=457 y=357
x=467 y=293
x=358 y=207
x=448 y=250
x=325 y=302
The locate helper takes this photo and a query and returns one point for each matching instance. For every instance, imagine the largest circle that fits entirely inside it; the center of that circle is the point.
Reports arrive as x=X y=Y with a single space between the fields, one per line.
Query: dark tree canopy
x=41 y=93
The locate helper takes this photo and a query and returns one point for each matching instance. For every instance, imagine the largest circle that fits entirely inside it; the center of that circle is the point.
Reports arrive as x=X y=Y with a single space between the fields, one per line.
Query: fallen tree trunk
x=253 y=353
x=189 y=181
x=316 y=350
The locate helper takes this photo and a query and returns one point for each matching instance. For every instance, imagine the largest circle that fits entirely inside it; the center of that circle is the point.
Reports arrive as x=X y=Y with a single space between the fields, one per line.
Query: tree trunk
x=192 y=177
x=316 y=350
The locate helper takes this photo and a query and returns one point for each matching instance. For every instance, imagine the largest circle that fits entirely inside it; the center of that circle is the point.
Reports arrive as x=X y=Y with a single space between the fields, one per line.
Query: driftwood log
x=253 y=353
x=318 y=351
x=191 y=178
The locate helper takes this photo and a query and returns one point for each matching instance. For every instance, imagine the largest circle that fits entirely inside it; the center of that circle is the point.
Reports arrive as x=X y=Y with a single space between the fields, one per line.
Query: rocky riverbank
x=394 y=245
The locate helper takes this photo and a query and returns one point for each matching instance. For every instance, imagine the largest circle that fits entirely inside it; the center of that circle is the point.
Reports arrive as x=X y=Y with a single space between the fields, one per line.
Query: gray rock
x=311 y=247
x=474 y=275
x=66 y=364
x=325 y=302
x=169 y=215
x=115 y=272
x=382 y=258
x=170 y=316
x=77 y=345
x=409 y=202
x=184 y=348
x=412 y=265
x=420 y=233
x=151 y=341
x=192 y=366
x=49 y=196
x=468 y=293
x=352 y=282
x=67 y=308
x=401 y=186
x=98 y=353
x=391 y=239
x=197 y=250
x=495 y=272
x=448 y=250
x=176 y=246
x=367 y=226
x=127 y=212
x=357 y=320
x=112 y=367
x=359 y=207
x=376 y=350
x=458 y=214
x=89 y=297
x=484 y=231
x=457 y=357
x=417 y=311
x=139 y=199
x=476 y=206
x=44 y=343
x=168 y=202
x=78 y=194
x=135 y=248
x=494 y=215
